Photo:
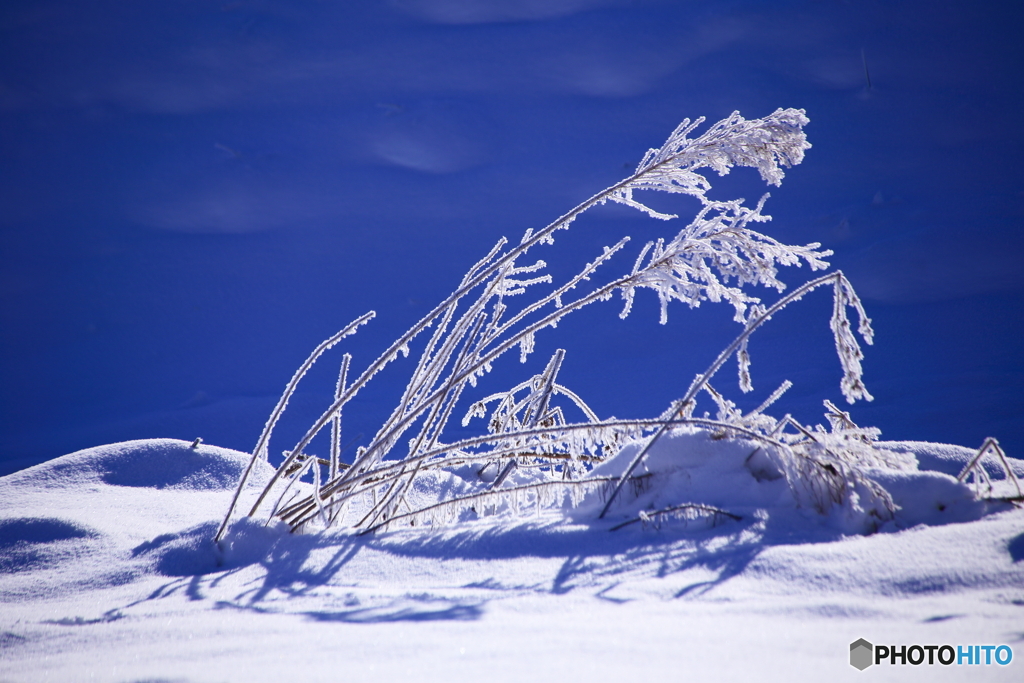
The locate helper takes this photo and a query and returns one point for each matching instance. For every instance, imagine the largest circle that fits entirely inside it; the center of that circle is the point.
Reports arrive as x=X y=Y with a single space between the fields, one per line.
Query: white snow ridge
x=116 y=578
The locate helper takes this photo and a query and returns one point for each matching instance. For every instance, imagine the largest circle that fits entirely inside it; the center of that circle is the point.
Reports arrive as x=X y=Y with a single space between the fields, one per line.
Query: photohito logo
x=863 y=654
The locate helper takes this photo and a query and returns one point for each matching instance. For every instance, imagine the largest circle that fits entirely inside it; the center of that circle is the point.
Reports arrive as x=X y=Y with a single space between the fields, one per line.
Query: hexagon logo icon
x=861 y=654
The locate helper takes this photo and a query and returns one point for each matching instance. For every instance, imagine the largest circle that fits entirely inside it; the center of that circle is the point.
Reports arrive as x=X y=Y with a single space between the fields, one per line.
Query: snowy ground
x=107 y=572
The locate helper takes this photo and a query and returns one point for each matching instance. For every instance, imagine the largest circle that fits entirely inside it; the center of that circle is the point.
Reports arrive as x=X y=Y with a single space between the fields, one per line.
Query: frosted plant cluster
x=531 y=457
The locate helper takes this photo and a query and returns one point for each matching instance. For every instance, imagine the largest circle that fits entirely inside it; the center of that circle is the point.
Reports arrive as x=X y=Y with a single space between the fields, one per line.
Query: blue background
x=195 y=194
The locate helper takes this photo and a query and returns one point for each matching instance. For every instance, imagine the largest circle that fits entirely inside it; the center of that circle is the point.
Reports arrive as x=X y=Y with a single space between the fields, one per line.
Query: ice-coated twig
x=275 y=415
x=346 y=360
x=385 y=438
x=775 y=396
x=975 y=469
x=391 y=470
x=765 y=144
x=713 y=258
x=696 y=507
x=849 y=355
x=454 y=502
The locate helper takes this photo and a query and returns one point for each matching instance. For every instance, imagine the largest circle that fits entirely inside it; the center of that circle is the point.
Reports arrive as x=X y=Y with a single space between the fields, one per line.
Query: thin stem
x=336 y=426
x=676 y=508
x=282 y=403
x=380 y=474
x=484 y=494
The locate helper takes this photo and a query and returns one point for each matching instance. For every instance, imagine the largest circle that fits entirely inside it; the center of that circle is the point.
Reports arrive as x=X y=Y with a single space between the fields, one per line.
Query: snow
x=108 y=573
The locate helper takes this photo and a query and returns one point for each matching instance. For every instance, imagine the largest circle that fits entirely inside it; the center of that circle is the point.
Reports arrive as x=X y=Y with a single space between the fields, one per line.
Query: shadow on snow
x=593 y=556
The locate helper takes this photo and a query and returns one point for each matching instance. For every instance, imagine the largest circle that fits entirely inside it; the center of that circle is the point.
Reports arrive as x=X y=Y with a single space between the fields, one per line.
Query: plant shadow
x=288 y=569
x=595 y=556
x=699 y=555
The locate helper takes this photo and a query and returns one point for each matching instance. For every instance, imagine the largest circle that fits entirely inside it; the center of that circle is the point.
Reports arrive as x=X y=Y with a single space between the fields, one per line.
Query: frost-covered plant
x=531 y=454
x=974 y=472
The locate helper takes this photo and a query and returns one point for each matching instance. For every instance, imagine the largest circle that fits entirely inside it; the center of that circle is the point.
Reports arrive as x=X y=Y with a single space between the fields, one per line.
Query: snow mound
x=31 y=543
x=193 y=552
x=689 y=465
x=925 y=497
x=145 y=463
x=949 y=459
x=695 y=467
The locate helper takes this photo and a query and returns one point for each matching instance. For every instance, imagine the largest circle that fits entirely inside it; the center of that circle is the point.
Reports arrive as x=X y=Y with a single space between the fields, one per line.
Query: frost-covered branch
x=976 y=471
x=766 y=144
x=849 y=351
x=715 y=258
x=715 y=248
x=275 y=415
x=537 y=443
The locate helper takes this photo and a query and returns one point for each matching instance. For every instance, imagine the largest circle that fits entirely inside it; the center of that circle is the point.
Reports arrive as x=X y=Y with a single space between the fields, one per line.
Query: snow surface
x=108 y=572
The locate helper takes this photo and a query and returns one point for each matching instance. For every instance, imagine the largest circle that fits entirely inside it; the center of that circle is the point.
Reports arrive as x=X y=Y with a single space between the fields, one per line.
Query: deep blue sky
x=194 y=194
